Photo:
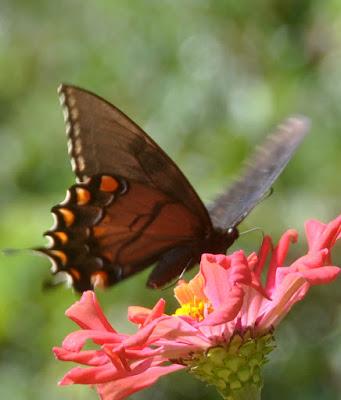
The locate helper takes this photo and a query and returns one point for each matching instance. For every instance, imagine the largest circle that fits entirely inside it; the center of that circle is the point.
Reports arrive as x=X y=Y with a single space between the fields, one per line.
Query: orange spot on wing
x=75 y=274
x=59 y=254
x=108 y=184
x=62 y=236
x=108 y=254
x=69 y=216
x=99 y=231
x=99 y=279
x=83 y=196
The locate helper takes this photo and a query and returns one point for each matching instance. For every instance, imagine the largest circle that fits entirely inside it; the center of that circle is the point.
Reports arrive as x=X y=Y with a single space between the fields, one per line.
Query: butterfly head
x=220 y=240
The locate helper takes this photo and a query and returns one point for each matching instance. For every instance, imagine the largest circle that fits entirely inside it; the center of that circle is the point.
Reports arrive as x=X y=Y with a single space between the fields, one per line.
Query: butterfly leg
x=171 y=264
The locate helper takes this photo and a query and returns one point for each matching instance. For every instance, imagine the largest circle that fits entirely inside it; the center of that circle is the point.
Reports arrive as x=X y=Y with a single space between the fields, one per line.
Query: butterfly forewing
x=260 y=172
x=132 y=203
x=102 y=139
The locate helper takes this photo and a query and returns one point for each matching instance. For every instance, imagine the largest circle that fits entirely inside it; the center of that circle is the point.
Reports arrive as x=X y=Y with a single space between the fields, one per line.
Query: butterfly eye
x=232 y=234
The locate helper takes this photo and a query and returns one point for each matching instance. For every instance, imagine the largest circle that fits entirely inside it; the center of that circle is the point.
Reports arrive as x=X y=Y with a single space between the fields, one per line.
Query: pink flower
x=123 y=364
x=224 y=301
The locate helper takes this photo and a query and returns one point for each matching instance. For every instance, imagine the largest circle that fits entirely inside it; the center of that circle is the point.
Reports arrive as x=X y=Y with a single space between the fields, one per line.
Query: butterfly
x=132 y=206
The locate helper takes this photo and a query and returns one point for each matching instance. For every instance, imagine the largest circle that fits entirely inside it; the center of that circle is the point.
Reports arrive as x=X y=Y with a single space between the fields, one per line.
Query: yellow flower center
x=196 y=309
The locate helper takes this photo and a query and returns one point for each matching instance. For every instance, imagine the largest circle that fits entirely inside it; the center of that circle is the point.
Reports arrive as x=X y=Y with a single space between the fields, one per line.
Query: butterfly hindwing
x=109 y=228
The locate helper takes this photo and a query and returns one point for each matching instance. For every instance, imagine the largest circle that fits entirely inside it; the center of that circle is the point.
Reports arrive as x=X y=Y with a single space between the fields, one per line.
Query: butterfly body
x=132 y=207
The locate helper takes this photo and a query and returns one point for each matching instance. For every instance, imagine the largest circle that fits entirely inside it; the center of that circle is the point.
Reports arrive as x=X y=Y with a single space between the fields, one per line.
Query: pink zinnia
x=222 y=330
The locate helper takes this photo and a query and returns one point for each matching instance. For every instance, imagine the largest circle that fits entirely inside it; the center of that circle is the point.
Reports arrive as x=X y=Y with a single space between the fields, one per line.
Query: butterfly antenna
x=48 y=284
x=266 y=196
x=14 y=252
x=252 y=230
x=179 y=277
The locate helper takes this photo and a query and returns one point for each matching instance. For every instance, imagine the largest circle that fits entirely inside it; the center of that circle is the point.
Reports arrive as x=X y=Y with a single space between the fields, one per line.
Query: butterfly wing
x=109 y=228
x=102 y=139
x=131 y=205
x=261 y=170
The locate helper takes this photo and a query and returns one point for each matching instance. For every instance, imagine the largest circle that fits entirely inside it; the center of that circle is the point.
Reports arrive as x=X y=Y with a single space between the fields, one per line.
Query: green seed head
x=234 y=369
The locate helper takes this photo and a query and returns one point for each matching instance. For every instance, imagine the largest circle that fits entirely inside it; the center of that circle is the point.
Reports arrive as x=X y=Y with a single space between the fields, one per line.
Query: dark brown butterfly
x=133 y=207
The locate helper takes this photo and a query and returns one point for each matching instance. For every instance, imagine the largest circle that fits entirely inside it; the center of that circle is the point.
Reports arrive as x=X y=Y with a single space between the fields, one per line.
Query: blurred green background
x=207 y=80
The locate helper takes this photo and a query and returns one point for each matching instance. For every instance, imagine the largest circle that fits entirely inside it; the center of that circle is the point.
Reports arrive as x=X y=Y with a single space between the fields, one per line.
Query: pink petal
x=137 y=315
x=88 y=357
x=322 y=275
x=227 y=310
x=90 y=376
x=87 y=313
x=176 y=349
x=290 y=236
x=122 y=388
x=142 y=353
x=176 y=329
x=76 y=340
x=157 y=311
x=292 y=289
x=240 y=272
x=310 y=261
x=263 y=253
x=314 y=259
x=252 y=260
x=142 y=337
x=172 y=328
x=105 y=373
x=221 y=259
x=142 y=315
x=253 y=301
x=166 y=327
x=118 y=358
x=321 y=235
x=257 y=284
x=313 y=231
x=217 y=282
x=278 y=257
